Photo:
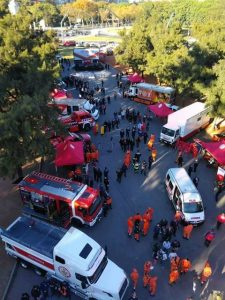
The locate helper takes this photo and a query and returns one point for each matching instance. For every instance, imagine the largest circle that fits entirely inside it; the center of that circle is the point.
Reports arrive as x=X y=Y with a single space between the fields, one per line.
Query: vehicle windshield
x=94 y=278
x=192 y=207
x=94 y=206
x=168 y=131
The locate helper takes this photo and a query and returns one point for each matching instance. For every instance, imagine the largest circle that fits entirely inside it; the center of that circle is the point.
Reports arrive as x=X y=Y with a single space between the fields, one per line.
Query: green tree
x=27 y=71
x=215 y=93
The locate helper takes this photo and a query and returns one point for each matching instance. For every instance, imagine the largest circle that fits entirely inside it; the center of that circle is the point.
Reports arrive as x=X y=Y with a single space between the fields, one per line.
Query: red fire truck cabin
x=60 y=201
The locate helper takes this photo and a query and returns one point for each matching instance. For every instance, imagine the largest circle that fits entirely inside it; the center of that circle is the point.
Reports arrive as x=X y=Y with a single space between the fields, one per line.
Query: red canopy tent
x=58 y=94
x=135 y=78
x=215 y=149
x=160 y=109
x=69 y=153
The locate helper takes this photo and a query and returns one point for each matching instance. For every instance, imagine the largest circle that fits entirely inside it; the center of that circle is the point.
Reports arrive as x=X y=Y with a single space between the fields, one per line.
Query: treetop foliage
x=182 y=43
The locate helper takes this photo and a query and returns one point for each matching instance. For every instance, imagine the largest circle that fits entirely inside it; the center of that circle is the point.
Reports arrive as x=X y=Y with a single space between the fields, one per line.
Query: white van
x=184 y=195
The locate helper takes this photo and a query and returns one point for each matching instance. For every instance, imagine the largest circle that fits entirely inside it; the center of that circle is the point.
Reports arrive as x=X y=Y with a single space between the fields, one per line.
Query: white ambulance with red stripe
x=69 y=256
x=60 y=201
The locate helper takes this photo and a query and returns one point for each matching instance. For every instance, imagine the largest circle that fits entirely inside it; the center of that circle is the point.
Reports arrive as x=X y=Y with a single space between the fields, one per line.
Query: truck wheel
x=87 y=127
x=23 y=264
x=76 y=223
x=92 y=298
x=39 y=272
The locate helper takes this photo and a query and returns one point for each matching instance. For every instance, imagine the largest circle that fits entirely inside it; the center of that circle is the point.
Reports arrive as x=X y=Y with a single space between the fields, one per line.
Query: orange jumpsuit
x=147 y=267
x=187 y=231
x=206 y=273
x=148 y=214
x=173 y=277
x=146 y=226
x=127 y=159
x=185 y=265
x=134 y=277
x=130 y=224
x=154 y=154
x=178 y=216
x=153 y=285
x=146 y=278
x=174 y=263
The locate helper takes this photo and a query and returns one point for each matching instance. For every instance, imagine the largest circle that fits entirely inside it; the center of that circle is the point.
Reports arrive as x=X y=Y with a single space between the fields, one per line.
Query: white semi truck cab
x=69 y=256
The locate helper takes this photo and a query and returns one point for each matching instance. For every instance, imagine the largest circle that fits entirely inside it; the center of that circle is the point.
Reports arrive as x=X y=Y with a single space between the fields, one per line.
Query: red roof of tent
x=69 y=153
x=135 y=78
x=216 y=149
x=58 y=94
x=160 y=109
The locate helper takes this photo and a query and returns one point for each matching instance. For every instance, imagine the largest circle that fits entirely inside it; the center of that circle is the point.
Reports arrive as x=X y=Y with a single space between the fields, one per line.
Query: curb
x=11 y=277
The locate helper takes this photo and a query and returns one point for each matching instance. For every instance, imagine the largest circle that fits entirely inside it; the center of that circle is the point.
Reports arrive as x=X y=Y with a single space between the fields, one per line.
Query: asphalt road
x=135 y=194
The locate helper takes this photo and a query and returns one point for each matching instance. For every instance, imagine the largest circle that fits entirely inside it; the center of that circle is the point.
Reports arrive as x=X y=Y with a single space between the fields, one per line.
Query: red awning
x=135 y=78
x=160 y=109
x=216 y=149
x=69 y=153
x=58 y=94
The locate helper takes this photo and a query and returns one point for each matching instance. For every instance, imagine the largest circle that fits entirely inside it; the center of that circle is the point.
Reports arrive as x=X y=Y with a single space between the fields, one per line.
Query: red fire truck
x=78 y=120
x=60 y=201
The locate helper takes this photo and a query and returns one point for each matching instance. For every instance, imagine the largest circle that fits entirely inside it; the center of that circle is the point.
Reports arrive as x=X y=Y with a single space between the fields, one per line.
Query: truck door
x=170 y=187
x=177 y=199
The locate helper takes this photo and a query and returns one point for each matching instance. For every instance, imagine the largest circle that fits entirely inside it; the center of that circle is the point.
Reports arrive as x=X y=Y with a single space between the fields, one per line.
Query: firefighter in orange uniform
x=134 y=277
x=185 y=265
x=187 y=231
x=173 y=277
x=146 y=278
x=127 y=159
x=152 y=285
x=206 y=273
x=148 y=214
x=174 y=263
x=147 y=267
x=145 y=226
x=154 y=154
x=130 y=224
x=178 y=217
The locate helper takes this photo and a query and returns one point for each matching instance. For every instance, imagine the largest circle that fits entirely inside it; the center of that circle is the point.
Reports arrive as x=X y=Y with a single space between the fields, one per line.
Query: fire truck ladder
x=51 y=177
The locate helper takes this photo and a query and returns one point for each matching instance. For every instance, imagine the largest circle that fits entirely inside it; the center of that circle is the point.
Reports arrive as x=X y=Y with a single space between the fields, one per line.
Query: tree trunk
x=41 y=164
x=20 y=172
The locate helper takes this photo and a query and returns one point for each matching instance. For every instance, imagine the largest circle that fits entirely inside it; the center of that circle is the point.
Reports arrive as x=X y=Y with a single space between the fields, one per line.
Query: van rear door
x=170 y=186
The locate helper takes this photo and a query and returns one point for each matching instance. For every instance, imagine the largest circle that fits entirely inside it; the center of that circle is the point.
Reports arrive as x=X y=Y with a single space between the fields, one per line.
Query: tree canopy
x=27 y=71
x=182 y=44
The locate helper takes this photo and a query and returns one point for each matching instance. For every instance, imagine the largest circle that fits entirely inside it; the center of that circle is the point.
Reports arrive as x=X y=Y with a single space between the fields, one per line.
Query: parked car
x=69 y=43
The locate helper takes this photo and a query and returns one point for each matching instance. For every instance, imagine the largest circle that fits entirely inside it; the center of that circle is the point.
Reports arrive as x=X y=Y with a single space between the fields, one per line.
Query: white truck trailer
x=185 y=122
x=68 y=256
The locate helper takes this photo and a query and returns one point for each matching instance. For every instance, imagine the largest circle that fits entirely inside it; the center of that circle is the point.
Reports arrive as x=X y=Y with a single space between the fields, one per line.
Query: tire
x=24 y=264
x=92 y=298
x=76 y=223
x=39 y=272
x=87 y=127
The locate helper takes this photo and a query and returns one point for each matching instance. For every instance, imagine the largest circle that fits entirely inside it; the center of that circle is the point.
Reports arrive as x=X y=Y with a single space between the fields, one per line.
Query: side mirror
x=84 y=285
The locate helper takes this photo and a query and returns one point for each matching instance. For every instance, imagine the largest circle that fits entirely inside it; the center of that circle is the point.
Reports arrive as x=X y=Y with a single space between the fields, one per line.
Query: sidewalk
x=10 y=209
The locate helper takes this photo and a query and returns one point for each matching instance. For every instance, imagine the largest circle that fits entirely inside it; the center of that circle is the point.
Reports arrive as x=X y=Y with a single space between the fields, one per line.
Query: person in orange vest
x=174 y=263
x=127 y=159
x=152 y=285
x=185 y=265
x=220 y=220
x=150 y=144
x=145 y=226
x=147 y=267
x=178 y=217
x=148 y=214
x=134 y=277
x=173 y=277
x=146 y=278
x=102 y=130
x=130 y=224
x=206 y=273
x=154 y=154
x=187 y=231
